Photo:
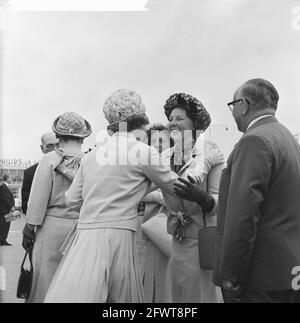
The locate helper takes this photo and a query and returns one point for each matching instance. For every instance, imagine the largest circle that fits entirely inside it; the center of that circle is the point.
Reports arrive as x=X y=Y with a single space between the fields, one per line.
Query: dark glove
x=28 y=237
x=191 y=191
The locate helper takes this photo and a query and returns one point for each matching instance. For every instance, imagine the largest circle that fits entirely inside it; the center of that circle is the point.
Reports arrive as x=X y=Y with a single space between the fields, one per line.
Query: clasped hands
x=15 y=213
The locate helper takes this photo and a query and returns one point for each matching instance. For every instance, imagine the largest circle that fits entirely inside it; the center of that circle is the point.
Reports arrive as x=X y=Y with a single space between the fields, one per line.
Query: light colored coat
x=47 y=195
x=206 y=168
x=47 y=209
x=109 y=194
x=191 y=284
x=101 y=264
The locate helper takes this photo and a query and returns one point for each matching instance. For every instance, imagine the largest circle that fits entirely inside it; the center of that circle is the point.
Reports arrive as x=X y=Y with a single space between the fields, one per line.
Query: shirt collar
x=253 y=122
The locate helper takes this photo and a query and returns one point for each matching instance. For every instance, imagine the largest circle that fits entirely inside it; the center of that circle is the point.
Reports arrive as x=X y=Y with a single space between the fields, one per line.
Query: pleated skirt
x=101 y=266
x=156 y=275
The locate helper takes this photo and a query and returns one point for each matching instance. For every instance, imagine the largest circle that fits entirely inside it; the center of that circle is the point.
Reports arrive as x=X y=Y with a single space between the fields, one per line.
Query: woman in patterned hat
x=200 y=162
x=48 y=219
x=101 y=263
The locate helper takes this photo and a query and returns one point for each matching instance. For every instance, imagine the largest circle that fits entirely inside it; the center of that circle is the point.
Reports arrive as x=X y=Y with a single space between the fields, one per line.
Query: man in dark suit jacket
x=7 y=204
x=49 y=142
x=27 y=183
x=258 y=234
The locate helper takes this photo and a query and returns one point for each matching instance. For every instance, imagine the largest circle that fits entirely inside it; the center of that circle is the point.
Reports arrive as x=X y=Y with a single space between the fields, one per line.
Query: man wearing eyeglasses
x=258 y=234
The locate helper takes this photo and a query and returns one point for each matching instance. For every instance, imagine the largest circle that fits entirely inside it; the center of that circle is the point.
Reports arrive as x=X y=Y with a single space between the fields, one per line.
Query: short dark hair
x=261 y=93
x=134 y=122
x=195 y=109
x=5 y=177
x=158 y=127
x=69 y=138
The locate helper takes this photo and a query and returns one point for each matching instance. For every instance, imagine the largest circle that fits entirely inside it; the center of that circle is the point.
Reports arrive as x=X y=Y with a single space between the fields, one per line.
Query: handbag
x=25 y=278
x=156 y=230
x=207 y=244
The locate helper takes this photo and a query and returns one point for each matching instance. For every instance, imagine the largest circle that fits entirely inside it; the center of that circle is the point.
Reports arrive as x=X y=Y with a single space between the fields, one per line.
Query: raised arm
x=213 y=183
x=159 y=172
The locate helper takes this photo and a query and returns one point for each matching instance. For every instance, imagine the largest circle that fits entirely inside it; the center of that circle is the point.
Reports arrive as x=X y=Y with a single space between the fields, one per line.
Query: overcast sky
x=71 y=61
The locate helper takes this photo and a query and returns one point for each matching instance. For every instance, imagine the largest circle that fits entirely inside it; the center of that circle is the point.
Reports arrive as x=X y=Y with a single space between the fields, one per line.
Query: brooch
x=181 y=220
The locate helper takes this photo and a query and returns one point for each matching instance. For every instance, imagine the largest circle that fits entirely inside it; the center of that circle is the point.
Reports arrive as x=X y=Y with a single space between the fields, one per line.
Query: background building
x=14 y=168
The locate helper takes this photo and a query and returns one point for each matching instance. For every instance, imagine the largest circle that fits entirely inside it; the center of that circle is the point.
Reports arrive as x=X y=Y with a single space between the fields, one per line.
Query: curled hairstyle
x=133 y=122
x=121 y=105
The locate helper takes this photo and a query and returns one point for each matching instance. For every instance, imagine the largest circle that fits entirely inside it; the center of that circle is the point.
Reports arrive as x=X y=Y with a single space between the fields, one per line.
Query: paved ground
x=11 y=259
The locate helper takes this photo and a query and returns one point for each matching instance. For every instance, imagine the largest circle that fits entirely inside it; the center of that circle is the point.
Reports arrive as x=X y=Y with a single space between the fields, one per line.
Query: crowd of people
x=81 y=217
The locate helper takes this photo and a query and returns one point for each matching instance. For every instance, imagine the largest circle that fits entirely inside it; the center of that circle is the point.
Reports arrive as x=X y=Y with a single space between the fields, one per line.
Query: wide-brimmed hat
x=121 y=105
x=71 y=124
x=194 y=106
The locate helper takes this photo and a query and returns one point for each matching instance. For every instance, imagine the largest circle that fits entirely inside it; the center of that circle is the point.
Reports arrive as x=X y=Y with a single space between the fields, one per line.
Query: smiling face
x=179 y=121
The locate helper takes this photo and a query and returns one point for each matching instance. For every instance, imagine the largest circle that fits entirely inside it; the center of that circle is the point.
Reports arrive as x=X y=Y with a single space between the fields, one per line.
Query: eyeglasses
x=231 y=104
